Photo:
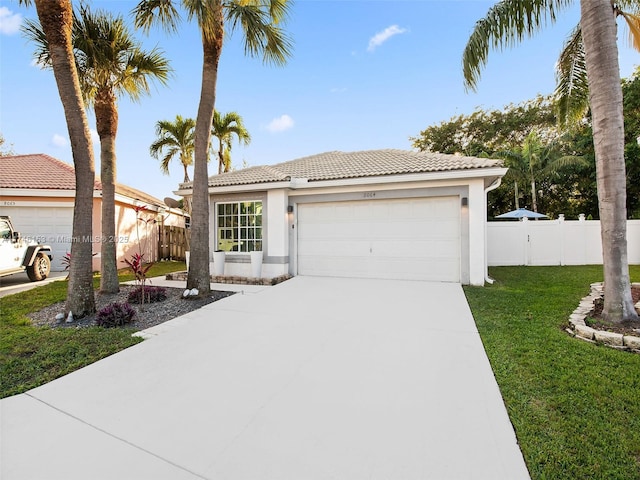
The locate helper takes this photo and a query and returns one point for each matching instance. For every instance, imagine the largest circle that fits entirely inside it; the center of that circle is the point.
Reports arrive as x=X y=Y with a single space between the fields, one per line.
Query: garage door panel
x=50 y=225
x=343 y=248
x=417 y=250
x=396 y=239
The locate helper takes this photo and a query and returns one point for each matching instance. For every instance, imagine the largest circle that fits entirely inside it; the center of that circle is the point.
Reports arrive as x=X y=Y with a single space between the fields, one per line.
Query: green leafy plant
x=139 y=269
x=147 y=294
x=115 y=315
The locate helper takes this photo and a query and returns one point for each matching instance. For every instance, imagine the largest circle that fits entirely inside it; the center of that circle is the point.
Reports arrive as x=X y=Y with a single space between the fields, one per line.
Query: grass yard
x=575 y=406
x=31 y=356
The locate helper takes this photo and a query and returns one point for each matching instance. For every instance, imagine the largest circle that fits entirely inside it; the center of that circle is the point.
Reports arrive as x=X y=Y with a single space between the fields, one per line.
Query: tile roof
x=36 y=171
x=40 y=171
x=343 y=165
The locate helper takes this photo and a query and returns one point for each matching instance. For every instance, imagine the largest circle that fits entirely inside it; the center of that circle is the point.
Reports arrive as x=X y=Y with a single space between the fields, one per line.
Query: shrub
x=151 y=294
x=115 y=315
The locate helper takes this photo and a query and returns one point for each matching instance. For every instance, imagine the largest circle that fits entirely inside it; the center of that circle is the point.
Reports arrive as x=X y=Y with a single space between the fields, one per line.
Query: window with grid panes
x=239 y=226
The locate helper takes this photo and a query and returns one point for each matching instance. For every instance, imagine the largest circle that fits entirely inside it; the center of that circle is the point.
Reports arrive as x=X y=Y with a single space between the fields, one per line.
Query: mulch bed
x=147 y=315
x=628 y=328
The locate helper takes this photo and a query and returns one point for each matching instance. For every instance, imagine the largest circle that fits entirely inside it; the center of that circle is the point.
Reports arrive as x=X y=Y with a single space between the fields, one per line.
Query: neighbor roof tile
x=40 y=171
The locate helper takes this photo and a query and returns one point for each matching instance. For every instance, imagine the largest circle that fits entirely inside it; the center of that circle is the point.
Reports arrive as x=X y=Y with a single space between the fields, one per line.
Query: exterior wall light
x=464 y=202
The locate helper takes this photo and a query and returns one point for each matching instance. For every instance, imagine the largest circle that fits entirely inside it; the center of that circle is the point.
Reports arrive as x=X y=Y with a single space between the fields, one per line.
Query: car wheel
x=40 y=268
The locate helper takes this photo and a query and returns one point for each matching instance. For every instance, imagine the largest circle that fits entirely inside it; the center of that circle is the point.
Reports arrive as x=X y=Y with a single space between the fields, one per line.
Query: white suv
x=18 y=254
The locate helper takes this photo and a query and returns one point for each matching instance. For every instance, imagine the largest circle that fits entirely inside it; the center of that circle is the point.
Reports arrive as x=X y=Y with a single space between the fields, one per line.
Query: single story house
x=370 y=214
x=38 y=192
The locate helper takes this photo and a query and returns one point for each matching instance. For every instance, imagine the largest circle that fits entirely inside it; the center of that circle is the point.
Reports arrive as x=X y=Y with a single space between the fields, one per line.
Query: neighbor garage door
x=413 y=239
x=50 y=225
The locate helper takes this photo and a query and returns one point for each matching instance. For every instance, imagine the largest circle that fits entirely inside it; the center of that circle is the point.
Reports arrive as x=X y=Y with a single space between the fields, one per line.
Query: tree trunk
x=56 y=19
x=186 y=174
x=220 y=159
x=598 y=25
x=107 y=126
x=199 y=275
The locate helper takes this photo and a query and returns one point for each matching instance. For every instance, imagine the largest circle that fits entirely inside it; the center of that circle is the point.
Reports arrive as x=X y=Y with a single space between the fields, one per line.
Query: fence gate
x=171 y=243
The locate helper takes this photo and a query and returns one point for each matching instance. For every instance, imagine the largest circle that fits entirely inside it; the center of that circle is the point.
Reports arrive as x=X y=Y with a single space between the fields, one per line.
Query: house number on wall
x=369 y=194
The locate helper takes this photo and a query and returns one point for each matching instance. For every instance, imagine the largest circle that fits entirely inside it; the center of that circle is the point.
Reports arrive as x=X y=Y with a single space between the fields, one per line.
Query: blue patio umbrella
x=521 y=213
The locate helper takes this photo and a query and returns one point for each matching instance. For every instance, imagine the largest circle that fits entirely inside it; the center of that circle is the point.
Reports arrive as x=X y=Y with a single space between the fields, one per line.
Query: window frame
x=239 y=225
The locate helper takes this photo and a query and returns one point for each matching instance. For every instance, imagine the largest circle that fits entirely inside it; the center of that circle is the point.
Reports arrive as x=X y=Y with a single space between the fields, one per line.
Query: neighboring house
x=38 y=192
x=371 y=214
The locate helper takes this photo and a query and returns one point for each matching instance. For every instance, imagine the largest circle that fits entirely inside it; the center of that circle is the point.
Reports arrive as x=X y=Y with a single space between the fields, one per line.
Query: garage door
x=50 y=225
x=411 y=239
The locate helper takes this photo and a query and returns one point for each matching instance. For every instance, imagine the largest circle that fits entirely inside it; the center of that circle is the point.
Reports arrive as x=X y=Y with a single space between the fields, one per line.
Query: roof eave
x=245 y=187
x=489 y=173
x=41 y=192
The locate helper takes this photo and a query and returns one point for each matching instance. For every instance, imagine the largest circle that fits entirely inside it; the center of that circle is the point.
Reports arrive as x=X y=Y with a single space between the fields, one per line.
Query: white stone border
x=579 y=329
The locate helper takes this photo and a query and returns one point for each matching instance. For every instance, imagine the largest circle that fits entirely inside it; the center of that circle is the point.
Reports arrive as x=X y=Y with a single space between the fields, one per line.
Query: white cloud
x=9 y=22
x=338 y=90
x=381 y=37
x=59 y=141
x=280 y=124
x=95 y=138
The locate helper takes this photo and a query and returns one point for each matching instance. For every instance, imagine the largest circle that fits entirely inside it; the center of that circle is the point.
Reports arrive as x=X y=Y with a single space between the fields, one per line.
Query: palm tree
x=259 y=21
x=224 y=127
x=509 y=21
x=535 y=161
x=110 y=63
x=572 y=88
x=56 y=18
x=175 y=139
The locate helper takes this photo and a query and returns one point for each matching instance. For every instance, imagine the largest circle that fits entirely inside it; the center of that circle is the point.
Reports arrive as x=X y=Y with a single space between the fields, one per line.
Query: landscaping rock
x=609 y=338
x=632 y=342
x=584 y=332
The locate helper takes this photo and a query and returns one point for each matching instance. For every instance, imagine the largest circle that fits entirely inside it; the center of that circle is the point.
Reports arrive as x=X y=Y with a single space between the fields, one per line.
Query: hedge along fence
x=553 y=242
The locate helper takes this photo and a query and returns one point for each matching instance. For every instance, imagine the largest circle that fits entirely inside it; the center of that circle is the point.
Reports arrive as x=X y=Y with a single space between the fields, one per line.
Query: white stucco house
x=370 y=214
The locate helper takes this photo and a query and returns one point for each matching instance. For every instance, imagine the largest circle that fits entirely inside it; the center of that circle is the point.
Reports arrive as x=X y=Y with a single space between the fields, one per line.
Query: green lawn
x=31 y=356
x=575 y=406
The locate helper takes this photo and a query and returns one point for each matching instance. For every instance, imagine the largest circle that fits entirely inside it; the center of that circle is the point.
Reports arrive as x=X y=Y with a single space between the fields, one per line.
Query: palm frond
x=571 y=96
x=633 y=23
x=262 y=36
x=506 y=23
x=208 y=14
x=33 y=32
x=149 y=13
x=175 y=139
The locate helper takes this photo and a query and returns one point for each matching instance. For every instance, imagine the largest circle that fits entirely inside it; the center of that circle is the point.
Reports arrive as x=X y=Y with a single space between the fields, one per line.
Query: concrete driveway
x=315 y=378
x=19 y=282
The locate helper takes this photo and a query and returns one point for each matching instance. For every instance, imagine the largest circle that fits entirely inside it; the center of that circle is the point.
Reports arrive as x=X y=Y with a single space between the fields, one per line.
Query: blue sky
x=364 y=75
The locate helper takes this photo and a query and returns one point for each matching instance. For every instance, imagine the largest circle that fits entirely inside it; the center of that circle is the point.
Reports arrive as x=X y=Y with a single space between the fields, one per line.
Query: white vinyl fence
x=553 y=242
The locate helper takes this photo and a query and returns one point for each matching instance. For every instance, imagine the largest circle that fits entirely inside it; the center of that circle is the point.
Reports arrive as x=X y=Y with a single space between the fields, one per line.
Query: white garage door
x=50 y=225
x=411 y=239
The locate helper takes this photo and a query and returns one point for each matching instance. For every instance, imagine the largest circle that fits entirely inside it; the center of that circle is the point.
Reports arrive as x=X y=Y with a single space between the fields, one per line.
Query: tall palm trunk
x=221 y=165
x=199 y=275
x=534 y=196
x=598 y=25
x=107 y=126
x=56 y=18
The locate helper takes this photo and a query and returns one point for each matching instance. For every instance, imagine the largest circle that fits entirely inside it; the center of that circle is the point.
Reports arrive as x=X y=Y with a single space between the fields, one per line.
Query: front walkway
x=315 y=378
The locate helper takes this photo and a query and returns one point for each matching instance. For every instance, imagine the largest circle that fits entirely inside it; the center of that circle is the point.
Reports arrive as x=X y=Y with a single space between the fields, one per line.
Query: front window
x=239 y=226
